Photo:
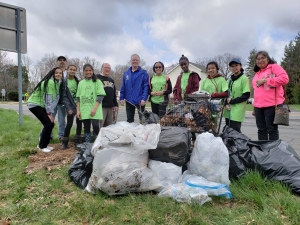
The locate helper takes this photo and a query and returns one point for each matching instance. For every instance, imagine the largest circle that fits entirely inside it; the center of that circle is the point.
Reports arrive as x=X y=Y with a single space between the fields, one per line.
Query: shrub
x=13 y=96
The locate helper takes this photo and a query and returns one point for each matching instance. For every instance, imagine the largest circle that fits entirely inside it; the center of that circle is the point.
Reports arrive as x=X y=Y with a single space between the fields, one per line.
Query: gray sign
x=8 y=28
x=3 y=92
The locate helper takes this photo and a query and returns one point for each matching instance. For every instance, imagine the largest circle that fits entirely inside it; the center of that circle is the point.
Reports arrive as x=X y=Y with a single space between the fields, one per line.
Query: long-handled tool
x=230 y=86
x=220 y=121
x=142 y=120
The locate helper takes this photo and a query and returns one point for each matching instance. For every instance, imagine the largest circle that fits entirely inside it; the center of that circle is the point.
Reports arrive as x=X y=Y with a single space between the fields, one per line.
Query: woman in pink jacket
x=268 y=85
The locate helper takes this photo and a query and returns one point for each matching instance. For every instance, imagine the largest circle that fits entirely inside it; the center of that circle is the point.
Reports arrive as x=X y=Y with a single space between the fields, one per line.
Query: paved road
x=290 y=134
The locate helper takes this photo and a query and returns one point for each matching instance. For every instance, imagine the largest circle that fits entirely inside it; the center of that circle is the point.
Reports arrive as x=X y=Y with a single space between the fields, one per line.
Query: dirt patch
x=54 y=159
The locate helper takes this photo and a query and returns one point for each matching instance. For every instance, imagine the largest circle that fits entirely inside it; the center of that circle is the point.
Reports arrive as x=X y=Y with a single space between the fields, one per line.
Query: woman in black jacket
x=159 y=89
x=69 y=100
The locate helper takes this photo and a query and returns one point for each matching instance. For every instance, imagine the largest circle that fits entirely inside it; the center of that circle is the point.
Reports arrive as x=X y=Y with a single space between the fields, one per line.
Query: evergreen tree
x=250 y=64
x=249 y=70
x=291 y=64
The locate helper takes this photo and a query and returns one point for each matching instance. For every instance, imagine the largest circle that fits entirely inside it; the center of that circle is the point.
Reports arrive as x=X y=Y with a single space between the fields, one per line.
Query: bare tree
x=118 y=75
x=92 y=61
x=223 y=62
x=6 y=81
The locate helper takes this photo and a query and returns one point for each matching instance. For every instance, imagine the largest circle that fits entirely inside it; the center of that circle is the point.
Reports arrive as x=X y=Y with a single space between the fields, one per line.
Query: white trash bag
x=118 y=173
x=121 y=157
x=128 y=137
x=210 y=159
x=167 y=173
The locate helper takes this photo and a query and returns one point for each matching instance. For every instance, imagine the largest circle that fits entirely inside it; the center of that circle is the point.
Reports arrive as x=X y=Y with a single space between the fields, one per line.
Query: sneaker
x=44 y=149
x=50 y=148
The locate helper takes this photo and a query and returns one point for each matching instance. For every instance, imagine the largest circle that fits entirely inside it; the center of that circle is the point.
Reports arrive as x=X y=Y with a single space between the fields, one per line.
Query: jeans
x=61 y=111
x=130 y=111
x=70 y=119
x=264 y=122
x=42 y=116
x=159 y=109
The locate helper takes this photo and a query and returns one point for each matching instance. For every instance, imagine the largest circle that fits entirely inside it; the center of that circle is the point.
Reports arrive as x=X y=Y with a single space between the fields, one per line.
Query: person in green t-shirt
x=215 y=84
x=239 y=92
x=187 y=82
x=160 y=87
x=69 y=101
x=43 y=101
x=90 y=94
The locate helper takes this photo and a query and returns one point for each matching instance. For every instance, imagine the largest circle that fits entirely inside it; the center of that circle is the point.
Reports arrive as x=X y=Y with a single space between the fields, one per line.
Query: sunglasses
x=158 y=67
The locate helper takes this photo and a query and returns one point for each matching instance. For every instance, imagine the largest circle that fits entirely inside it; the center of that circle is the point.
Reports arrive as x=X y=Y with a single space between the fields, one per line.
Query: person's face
x=88 y=72
x=158 y=68
x=261 y=61
x=72 y=71
x=106 y=69
x=135 y=61
x=235 y=68
x=184 y=64
x=212 y=70
x=61 y=63
x=58 y=74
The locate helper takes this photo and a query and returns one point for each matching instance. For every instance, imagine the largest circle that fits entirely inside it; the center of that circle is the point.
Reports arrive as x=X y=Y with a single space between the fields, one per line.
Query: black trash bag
x=239 y=152
x=173 y=147
x=278 y=161
x=82 y=167
x=275 y=159
x=150 y=117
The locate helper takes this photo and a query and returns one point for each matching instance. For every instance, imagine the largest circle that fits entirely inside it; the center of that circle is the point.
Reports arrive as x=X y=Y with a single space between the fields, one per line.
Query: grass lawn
x=49 y=197
x=295 y=107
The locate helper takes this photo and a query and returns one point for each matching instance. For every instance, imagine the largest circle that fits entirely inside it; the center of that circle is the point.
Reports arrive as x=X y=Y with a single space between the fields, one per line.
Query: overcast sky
x=158 y=30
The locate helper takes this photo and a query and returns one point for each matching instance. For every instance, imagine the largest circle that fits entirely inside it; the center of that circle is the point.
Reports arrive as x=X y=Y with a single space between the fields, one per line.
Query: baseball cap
x=235 y=60
x=61 y=57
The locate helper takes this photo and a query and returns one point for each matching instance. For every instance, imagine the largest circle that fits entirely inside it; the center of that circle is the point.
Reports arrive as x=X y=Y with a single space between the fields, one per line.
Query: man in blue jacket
x=134 y=89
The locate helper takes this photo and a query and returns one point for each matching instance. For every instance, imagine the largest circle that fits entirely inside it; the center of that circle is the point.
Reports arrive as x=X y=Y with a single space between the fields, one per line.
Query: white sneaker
x=50 y=148
x=44 y=149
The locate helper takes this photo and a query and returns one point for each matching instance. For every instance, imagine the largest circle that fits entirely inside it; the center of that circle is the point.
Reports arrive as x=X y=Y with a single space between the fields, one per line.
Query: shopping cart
x=198 y=113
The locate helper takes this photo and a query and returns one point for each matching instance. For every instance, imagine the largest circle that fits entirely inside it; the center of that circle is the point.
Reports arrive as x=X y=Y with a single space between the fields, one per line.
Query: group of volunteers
x=89 y=100
x=93 y=100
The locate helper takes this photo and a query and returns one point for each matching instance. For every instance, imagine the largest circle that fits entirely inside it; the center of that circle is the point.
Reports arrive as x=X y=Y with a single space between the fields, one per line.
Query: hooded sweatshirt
x=264 y=95
x=192 y=86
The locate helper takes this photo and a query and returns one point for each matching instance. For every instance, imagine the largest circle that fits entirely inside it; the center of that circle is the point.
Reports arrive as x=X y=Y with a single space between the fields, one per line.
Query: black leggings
x=159 y=109
x=70 y=119
x=42 y=116
x=87 y=126
x=234 y=124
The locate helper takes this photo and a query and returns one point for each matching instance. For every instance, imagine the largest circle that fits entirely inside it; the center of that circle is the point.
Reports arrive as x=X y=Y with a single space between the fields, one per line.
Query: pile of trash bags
x=128 y=157
x=275 y=159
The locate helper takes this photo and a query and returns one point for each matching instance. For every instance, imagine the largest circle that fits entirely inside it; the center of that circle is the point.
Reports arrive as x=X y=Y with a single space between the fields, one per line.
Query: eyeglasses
x=261 y=58
x=158 y=67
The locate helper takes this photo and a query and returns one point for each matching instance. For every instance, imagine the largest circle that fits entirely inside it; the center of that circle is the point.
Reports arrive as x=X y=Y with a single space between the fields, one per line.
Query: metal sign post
x=19 y=45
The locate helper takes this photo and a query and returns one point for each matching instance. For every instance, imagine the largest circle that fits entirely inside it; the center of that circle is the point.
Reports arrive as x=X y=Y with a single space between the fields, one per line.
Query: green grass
x=295 y=107
x=49 y=197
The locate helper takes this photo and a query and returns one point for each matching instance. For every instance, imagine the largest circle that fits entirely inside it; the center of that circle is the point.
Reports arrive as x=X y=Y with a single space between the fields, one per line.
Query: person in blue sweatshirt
x=134 y=89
